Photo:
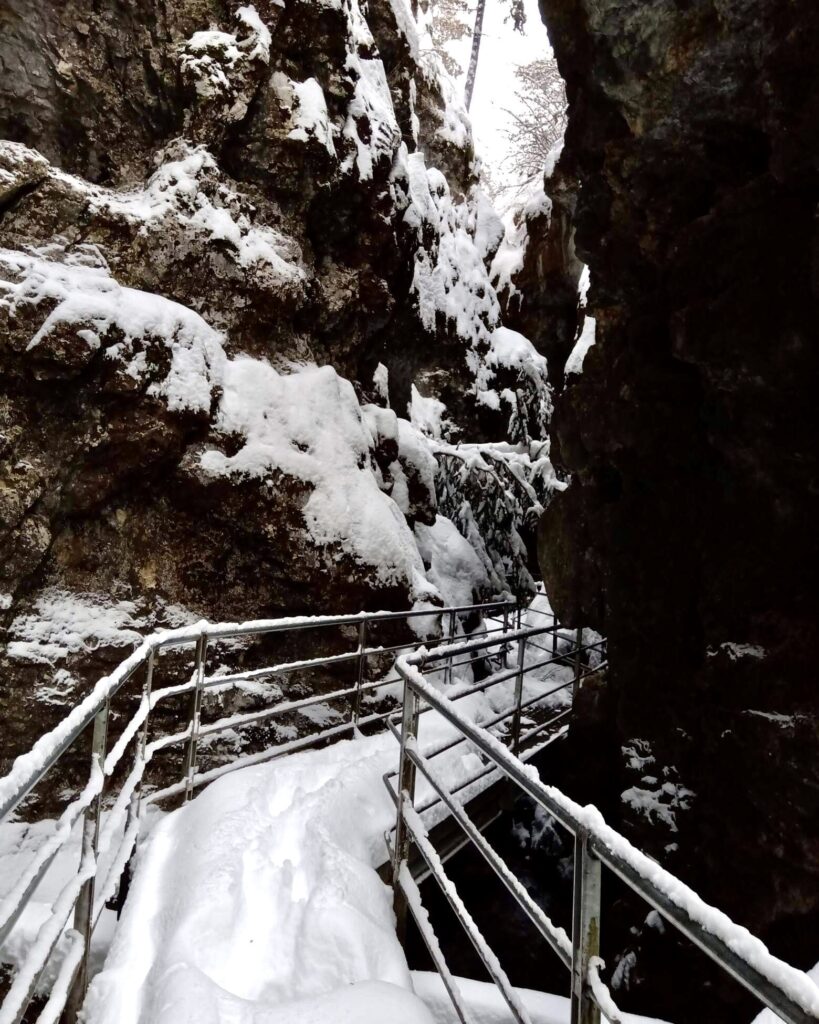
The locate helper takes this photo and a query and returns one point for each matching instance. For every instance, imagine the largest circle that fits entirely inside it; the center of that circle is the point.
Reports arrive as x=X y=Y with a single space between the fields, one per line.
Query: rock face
x=230 y=237
x=537 y=272
x=688 y=532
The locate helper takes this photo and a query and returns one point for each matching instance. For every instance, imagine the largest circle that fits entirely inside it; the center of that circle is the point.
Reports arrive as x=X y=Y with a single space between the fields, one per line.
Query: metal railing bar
x=112 y=879
x=599 y=991
x=117 y=814
x=29 y=769
x=58 y=997
x=29 y=972
x=251 y=717
x=467 y=647
x=554 y=659
x=545 y=725
x=282 y=669
x=331 y=659
x=427 y=933
x=554 y=936
x=735 y=965
x=418 y=833
x=539 y=611
x=798 y=1007
x=170 y=741
x=491 y=769
x=489 y=723
x=50 y=747
x=388 y=776
x=14 y=901
x=222 y=630
x=270 y=754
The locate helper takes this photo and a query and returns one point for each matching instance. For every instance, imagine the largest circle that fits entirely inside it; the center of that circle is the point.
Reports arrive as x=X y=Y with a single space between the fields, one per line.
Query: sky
x=502 y=49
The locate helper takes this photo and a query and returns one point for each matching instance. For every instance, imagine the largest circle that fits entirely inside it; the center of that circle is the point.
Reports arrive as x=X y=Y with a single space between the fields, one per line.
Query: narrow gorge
x=268 y=349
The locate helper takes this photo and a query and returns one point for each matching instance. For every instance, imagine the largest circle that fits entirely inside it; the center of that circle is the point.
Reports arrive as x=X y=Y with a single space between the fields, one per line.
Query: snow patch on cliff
x=84 y=300
x=308 y=424
x=190 y=190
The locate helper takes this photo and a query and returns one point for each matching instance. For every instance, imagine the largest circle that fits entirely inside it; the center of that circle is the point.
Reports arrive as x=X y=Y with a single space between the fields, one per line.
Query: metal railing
x=108 y=810
x=788 y=992
x=566 y=648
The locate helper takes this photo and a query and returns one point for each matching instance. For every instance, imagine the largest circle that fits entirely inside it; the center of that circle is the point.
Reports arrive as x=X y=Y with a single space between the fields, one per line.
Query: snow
x=426 y=413
x=659 y=805
x=489 y=1007
x=454 y=566
x=88 y=298
x=293 y=843
x=577 y=356
x=489 y=228
x=735 y=651
x=308 y=110
x=767 y=1016
x=218 y=62
x=587 y=336
x=451 y=279
x=508 y=260
x=63 y=623
x=514 y=351
x=308 y=424
x=552 y=158
x=190 y=191
x=371 y=105
x=381 y=382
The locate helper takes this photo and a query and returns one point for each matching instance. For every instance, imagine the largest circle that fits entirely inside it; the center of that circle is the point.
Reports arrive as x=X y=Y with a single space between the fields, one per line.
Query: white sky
x=502 y=49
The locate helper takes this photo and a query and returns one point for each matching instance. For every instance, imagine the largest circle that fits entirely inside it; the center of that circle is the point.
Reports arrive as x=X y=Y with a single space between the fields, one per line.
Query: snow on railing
x=789 y=992
x=115 y=837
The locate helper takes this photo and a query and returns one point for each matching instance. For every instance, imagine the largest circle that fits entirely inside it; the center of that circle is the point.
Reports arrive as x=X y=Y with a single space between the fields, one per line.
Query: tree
x=473 y=57
x=518 y=16
x=539 y=121
x=447 y=22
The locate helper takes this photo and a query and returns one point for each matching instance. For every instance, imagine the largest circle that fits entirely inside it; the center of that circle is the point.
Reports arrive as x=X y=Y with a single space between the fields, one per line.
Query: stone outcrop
x=688 y=532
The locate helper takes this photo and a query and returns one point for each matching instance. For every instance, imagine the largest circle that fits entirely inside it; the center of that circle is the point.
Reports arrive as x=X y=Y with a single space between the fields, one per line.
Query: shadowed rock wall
x=688 y=533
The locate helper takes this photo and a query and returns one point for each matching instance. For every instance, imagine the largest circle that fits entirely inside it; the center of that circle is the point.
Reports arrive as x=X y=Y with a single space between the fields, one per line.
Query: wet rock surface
x=688 y=532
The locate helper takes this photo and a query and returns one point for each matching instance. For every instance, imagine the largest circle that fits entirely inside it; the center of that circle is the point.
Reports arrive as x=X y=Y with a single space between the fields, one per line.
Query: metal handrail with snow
x=79 y=906
x=790 y=993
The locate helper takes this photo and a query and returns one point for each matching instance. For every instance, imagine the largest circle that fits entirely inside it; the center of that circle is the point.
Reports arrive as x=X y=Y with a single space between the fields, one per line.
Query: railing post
x=84 y=907
x=142 y=746
x=450 y=638
x=578 y=665
x=362 y=641
x=518 y=695
x=406 y=797
x=555 y=626
x=135 y=806
x=505 y=647
x=196 y=713
x=585 y=929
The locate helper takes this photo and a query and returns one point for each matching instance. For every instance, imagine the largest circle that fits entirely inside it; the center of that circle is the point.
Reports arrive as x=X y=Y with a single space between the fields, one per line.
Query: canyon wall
x=688 y=533
x=244 y=289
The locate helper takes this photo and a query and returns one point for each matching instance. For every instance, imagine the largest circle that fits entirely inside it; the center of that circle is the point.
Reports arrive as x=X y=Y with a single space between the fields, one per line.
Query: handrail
x=30 y=768
x=787 y=991
x=79 y=895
